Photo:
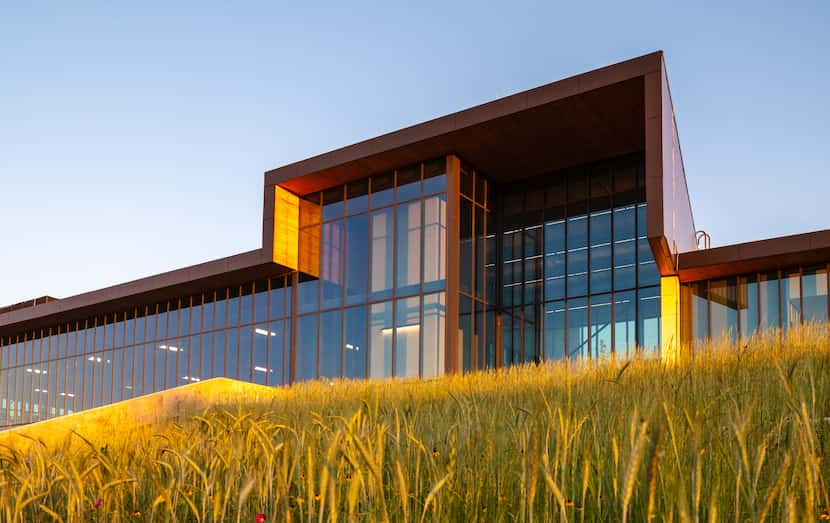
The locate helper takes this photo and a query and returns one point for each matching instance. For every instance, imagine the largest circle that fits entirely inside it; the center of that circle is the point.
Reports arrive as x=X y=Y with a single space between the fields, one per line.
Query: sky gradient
x=133 y=140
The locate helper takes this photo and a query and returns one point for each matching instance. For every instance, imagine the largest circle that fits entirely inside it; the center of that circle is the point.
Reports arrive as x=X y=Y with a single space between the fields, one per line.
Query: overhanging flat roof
x=229 y=271
x=758 y=256
x=591 y=116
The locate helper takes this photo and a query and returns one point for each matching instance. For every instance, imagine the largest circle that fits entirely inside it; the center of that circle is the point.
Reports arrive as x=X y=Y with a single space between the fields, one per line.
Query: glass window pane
x=261 y=368
x=435 y=243
x=577 y=328
x=625 y=326
x=723 y=309
x=220 y=349
x=532 y=323
x=232 y=355
x=600 y=268
x=233 y=308
x=600 y=228
x=382 y=190
x=577 y=232
x=601 y=326
x=700 y=311
x=354 y=353
x=625 y=223
x=790 y=299
x=432 y=361
x=382 y=254
x=409 y=247
x=465 y=333
x=246 y=340
x=434 y=177
x=333 y=203
x=407 y=337
x=648 y=329
x=306 y=362
x=409 y=183
x=555 y=330
x=207 y=313
x=814 y=283
x=124 y=362
x=277 y=300
x=192 y=361
x=380 y=339
x=277 y=359
x=641 y=220
x=577 y=272
x=357 y=196
x=307 y=293
x=245 y=308
x=330 y=344
x=747 y=306
x=331 y=264
x=648 y=273
x=260 y=305
x=357 y=251
x=221 y=310
x=768 y=297
x=465 y=256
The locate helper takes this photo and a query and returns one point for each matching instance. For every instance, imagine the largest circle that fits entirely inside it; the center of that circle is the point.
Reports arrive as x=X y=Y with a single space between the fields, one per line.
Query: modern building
x=554 y=223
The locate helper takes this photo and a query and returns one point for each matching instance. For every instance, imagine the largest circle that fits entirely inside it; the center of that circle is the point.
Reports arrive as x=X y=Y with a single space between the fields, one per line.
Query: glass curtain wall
x=477 y=273
x=377 y=307
x=240 y=332
x=734 y=309
x=577 y=277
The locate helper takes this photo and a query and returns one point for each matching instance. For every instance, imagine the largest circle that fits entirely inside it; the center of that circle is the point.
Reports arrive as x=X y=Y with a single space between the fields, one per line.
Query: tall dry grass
x=732 y=434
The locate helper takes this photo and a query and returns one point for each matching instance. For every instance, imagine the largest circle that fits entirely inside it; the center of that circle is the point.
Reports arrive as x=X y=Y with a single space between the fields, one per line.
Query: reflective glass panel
x=261 y=370
x=407 y=337
x=408 y=247
x=723 y=309
x=246 y=340
x=577 y=328
x=331 y=264
x=330 y=344
x=380 y=339
x=382 y=257
x=555 y=330
x=790 y=299
x=432 y=361
x=601 y=325
x=814 y=287
x=306 y=362
x=748 y=305
x=354 y=343
x=357 y=251
x=625 y=326
x=648 y=331
x=768 y=293
x=435 y=243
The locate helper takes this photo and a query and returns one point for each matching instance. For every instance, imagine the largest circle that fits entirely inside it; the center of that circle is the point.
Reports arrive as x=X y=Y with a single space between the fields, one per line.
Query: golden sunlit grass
x=731 y=434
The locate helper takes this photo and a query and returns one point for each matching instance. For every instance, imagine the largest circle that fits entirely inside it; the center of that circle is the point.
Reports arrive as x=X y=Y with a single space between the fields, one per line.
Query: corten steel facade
x=551 y=224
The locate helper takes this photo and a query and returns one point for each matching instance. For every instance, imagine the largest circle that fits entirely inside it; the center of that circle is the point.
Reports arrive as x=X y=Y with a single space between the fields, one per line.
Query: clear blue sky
x=133 y=140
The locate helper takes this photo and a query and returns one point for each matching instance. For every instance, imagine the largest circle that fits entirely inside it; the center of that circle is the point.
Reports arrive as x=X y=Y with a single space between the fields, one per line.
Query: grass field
x=734 y=434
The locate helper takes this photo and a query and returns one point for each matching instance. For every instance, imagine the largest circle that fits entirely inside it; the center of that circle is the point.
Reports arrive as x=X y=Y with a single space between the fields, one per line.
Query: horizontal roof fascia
x=223 y=272
x=805 y=249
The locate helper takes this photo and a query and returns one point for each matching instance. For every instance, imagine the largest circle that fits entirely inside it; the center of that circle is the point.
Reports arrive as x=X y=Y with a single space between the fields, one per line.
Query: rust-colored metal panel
x=286 y=230
x=451 y=351
x=758 y=256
